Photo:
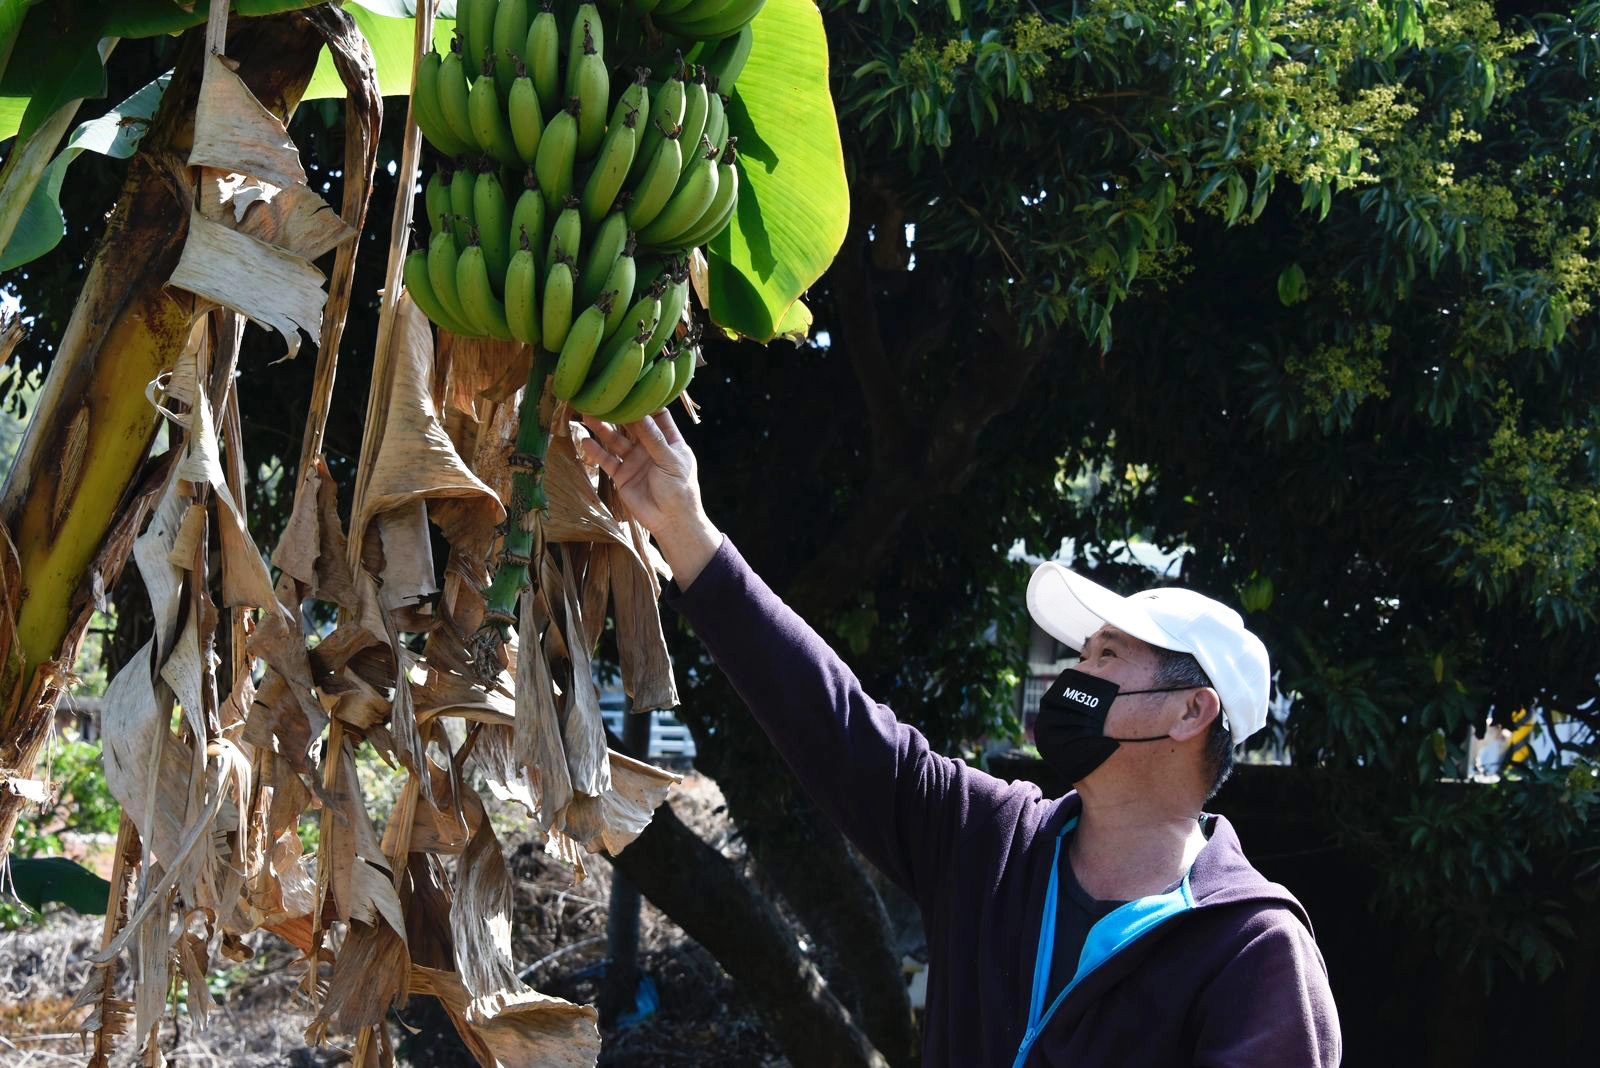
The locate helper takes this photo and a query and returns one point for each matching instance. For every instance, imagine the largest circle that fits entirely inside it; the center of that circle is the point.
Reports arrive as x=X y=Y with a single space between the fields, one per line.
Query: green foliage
x=83 y=804
x=1115 y=121
x=793 y=201
x=39 y=881
x=116 y=134
x=55 y=48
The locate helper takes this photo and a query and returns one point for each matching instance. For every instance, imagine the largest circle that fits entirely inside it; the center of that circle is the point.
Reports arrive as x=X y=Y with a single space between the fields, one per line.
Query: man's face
x=1131 y=664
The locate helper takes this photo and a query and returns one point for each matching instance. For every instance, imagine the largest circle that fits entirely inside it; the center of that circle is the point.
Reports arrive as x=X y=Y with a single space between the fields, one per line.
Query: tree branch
x=990 y=385
x=861 y=332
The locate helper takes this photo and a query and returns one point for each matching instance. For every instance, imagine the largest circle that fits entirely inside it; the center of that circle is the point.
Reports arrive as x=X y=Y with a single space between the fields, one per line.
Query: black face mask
x=1071 y=728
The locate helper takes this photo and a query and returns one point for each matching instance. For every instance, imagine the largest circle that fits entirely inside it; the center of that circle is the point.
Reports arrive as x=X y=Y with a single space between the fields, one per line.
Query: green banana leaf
x=53 y=52
x=55 y=57
x=794 y=204
x=41 y=880
x=43 y=224
x=11 y=12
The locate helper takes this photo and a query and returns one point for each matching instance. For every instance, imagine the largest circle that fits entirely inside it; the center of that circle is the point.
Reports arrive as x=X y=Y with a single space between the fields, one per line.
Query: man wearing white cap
x=1117 y=925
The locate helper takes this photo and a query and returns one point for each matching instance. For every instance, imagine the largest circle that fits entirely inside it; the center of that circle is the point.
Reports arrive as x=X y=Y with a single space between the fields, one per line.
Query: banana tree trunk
x=78 y=465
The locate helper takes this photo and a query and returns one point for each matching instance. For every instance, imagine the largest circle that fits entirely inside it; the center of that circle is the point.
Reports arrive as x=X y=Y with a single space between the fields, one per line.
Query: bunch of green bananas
x=494 y=269
x=556 y=182
x=563 y=212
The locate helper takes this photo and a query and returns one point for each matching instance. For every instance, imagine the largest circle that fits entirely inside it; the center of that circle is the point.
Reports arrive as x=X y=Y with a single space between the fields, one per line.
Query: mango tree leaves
x=794 y=203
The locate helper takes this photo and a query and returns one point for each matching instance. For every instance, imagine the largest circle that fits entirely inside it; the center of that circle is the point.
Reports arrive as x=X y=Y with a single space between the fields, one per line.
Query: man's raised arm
x=902 y=804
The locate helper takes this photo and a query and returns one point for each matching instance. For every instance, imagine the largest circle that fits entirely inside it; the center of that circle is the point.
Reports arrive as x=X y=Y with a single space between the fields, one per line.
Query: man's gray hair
x=1182 y=669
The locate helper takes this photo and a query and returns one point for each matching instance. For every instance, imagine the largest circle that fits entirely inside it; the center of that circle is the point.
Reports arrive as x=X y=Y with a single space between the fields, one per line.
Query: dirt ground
x=559 y=936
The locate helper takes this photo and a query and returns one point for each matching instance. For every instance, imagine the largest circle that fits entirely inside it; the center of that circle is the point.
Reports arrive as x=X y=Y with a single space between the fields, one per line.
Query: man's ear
x=1199 y=712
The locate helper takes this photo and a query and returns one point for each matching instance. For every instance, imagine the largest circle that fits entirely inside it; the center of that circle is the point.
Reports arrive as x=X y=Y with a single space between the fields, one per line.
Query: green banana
x=477 y=296
x=524 y=116
x=673 y=302
x=522 y=295
x=542 y=53
x=656 y=185
x=613 y=375
x=557 y=304
x=442 y=273
x=585 y=20
x=462 y=184
x=528 y=215
x=578 y=349
x=610 y=237
x=688 y=203
x=591 y=83
x=694 y=10
x=436 y=197
x=492 y=213
x=670 y=7
x=682 y=372
x=452 y=93
x=430 y=120
x=420 y=287
x=732 y=18
x=635 y=99
x=696 y=109
x=619 y=285
x=727 y=62
x=489 y=123
x=650 y=269
x=644 y=7
x=644 y=315
x=716 y=116
x=510 y=33
x=722 y=206
x=648 y=394
x=610 y=168
x=666 y=114
x=477 y=27
x=464 y=23
x=566 y=234
x=558 y=152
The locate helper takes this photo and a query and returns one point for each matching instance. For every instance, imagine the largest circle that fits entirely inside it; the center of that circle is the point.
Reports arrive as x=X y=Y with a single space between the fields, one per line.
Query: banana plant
x=788 y=227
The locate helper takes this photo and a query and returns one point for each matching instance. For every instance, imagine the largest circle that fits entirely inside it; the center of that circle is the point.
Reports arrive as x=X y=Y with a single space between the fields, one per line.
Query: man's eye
x=1107 y=652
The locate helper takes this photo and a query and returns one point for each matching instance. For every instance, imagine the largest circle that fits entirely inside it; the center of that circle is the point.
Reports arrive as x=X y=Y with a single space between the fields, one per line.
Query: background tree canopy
x=1303 y=289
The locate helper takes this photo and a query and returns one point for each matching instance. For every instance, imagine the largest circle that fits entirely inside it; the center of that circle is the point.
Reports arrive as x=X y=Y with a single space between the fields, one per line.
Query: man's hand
x=656 y=476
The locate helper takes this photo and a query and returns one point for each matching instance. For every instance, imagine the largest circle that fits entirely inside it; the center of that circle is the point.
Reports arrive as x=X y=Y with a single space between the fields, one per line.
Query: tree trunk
x=619 y=993
x=717 y=907
x=810 y=864
x=93 y=426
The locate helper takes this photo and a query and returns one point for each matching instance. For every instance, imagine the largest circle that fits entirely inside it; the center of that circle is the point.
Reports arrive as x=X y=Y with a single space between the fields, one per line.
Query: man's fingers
x=609 y=436
x=669 y=429
x=595 y=453
x=655 y=443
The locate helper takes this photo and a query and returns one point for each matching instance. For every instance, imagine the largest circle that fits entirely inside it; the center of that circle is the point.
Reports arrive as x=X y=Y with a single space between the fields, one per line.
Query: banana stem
x=512 y=573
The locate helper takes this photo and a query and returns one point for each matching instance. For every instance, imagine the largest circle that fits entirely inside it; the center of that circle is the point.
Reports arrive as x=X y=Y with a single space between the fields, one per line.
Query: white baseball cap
x=1070 y=608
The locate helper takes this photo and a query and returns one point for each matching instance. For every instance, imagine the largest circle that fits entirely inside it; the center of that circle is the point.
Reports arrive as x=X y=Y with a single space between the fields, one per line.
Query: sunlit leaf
x=794 y=204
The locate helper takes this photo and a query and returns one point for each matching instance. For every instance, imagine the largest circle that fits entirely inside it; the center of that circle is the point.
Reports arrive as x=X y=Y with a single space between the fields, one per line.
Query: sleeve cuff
x=712 y=580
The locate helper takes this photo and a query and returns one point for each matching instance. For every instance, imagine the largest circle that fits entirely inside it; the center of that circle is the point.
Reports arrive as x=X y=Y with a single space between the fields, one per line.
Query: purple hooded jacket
x=1221 y=972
